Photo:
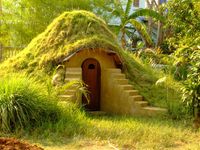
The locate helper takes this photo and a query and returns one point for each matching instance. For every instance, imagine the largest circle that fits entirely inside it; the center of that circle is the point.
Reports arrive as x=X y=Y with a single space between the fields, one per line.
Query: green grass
x=25 y=103
x=117 y=131
x=75 y=129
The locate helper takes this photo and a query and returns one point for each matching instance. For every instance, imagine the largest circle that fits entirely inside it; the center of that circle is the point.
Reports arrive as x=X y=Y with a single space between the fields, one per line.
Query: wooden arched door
x=91 y=75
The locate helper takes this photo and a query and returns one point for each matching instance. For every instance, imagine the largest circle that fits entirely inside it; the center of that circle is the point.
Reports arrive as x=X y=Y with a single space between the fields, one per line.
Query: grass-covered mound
x=69 y=32
x=77 y=30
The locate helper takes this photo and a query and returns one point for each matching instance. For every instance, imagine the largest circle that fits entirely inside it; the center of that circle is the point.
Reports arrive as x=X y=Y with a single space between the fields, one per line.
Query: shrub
x=80 y=88
x=25 y=103
x=191 y=90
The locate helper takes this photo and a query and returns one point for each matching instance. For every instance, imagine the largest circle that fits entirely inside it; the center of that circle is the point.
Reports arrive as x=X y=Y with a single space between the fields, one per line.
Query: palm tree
x=127 y=18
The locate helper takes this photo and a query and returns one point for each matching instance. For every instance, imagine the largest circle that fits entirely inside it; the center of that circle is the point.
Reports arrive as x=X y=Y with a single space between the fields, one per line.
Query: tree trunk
x=150 y=21
x=196 y=122
x=159 y=34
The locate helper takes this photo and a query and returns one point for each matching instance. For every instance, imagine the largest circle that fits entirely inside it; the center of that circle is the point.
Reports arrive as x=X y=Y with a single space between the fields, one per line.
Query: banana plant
x=126 y=17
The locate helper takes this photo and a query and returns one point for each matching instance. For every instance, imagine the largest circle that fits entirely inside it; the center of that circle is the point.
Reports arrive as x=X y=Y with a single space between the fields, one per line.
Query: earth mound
x=68 y=33
x=14 y=144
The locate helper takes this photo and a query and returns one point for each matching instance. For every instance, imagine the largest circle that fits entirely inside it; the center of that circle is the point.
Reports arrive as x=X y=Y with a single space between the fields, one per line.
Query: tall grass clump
x=24 y=103
x=72 y=122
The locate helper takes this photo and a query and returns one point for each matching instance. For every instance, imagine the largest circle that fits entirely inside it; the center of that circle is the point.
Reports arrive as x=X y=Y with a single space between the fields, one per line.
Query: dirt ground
x=14 y=144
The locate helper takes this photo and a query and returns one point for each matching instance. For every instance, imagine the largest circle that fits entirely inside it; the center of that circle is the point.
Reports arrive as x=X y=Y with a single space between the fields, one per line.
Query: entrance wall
x=106 y=61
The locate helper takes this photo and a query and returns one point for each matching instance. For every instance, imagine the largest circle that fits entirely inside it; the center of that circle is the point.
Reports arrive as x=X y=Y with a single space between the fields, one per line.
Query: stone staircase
x=126 y=100
x=72 y=74
x=136 y=102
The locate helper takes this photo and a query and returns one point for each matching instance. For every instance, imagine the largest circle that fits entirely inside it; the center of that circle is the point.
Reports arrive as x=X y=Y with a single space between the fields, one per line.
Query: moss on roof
x=69 y=32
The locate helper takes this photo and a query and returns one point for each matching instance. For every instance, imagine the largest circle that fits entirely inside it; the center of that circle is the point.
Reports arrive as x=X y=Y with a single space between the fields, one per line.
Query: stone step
x=72 y=79
x=73 y=72
x=149 y=110
x=70 y=91
x=114 y=70
x=73 y=75
x=72 y=87
x=132 y=92
x=74 y=69
x=122 y=81
x=141 y=103
x=78 y=76
x=126 y=87
x=65 y=96
x=119 y=75
x=137 y=97
x=63 y=103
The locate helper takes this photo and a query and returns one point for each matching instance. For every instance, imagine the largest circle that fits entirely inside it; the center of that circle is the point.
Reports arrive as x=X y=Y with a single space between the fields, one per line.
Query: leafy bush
x=191 y=91
x=24 y=103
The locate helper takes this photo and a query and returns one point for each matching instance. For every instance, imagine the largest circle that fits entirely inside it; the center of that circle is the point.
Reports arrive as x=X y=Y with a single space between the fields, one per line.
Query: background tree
x=128 y=16
x=191 y=91
x=24 y=19
x=183 y=20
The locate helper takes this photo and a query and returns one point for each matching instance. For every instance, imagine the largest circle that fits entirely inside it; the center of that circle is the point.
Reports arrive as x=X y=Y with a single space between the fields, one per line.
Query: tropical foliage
x=128 y=17
x=183 y=25
x=22 y=20
x=191 y=91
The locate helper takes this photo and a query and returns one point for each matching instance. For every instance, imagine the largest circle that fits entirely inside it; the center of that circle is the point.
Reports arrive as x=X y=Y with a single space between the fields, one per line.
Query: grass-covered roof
x=77 y=30
x=67 y=33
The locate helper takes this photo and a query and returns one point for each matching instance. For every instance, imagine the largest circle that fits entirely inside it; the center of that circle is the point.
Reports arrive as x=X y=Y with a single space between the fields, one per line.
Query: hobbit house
x=99 y=65
x=88 y=51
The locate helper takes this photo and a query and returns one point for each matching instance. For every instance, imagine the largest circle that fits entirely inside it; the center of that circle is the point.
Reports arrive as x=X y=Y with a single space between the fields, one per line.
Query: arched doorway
x=91 y=75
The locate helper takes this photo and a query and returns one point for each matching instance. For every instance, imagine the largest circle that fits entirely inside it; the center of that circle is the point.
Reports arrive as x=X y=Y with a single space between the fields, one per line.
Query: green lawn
x=118 y=132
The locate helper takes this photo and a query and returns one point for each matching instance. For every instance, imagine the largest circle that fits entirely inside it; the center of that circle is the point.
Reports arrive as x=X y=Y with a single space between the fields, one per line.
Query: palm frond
x=115 y=28
x=128 y=8
x=147 y=12
x=141 y=29
x=118 y=11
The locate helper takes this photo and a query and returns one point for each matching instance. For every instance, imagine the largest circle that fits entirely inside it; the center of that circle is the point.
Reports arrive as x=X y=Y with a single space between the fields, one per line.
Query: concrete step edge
x=151 y=108
x=122 y=81
x=65 y=96
x=132 y=92
x=73 y=73
x=113 y=70
x=137 y=97
x=142 y=103
x=126 y=86
x=119 y=75
x=72 y=79
x=74 y=68
x=72 y=92
x=78 y=76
